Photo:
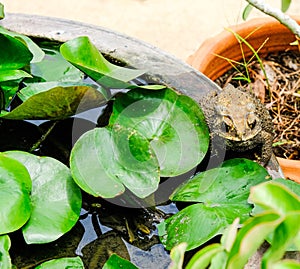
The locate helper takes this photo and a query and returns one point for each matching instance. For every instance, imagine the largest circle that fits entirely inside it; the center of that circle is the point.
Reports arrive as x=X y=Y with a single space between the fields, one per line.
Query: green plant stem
x=277 y=14
x=43 y=138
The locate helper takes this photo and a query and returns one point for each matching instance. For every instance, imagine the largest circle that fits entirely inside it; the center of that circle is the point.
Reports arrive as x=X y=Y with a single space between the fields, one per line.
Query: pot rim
x=226 y=45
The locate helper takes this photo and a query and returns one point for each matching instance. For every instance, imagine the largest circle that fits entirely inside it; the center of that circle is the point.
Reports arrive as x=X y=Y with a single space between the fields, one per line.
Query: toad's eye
x=251 y=120
x=228 y=123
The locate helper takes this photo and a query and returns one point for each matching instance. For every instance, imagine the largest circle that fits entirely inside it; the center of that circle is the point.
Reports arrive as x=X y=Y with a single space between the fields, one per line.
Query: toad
x=241 y=121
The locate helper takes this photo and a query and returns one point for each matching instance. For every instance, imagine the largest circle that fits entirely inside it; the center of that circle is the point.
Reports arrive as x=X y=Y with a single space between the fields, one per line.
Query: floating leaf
x=229 y=184
x=86 y=57
x=62 y=263
x=115 y=262
x=104 y=160
x=15 y=187
x=36 y=51
x=223 y=193
x=56 y=199
x=174 y=124
x=58 y=103
x=198 y=223
x=14 y=54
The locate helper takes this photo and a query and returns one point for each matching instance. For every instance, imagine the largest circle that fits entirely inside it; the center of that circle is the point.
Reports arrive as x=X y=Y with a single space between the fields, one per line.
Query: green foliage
x=62 y=263
x=174 y=125
x=280 y=217
x=285 y=4
x=59 y=102
x=86 y=57
x=5 y=262
x=222 y=195
x=2 y=15
x=15 y=188
x=53 y=189
x=150 y=135
x=116 y=262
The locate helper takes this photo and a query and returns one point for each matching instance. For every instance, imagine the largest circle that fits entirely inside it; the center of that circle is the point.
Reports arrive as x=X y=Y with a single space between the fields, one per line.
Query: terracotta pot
x=225 y=44
x=290 y=168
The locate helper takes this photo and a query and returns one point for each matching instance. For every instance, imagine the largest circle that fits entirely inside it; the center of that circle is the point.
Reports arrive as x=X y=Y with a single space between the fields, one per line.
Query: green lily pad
x=228 y=184
x=62 y=263
x=14 y=54
x=86 y=57
x=37 y=53
x=5 y=261
x=173 y=123
x=223 y=195
x=105 y=160
x=56 y=199
x=116 y=262
x=15 y=187
x=57 y=103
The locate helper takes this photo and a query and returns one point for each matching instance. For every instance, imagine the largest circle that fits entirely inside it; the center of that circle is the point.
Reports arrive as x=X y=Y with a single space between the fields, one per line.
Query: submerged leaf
x=173 y=123
x=116 y=261
x=74 y=263
x=86 y=57
x=56 y=199
x=58 y=103
x=15 y=187
x=55 y=68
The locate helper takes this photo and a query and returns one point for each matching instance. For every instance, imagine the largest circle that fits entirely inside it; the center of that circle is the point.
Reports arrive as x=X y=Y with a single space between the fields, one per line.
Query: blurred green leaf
x=246 y=12
x=177 y=256
x=5 y=261
x=204 y=256
x=285 y=4
x=250 y=237
x=2 y=15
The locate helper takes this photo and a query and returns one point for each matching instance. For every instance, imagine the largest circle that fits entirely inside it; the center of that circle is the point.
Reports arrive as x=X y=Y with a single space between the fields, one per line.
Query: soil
x=277 y=85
